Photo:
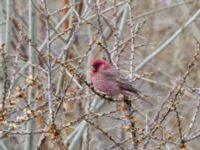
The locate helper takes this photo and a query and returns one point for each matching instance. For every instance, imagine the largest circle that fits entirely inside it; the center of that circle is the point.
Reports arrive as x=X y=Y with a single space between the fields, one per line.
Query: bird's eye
x=92 y=68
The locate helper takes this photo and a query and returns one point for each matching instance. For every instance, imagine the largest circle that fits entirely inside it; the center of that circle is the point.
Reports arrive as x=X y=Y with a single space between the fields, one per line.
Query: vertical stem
x=101 y=30
x=5 y=80
x=87 y=74
x=116 y=35
x=49 y=65
x=65 y=3
x=64 y=57
x=9 y=8
x=2 y=39
x=132 y=43
x=30 y=140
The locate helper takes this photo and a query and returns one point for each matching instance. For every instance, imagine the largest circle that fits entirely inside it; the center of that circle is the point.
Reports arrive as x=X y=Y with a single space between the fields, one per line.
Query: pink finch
x=106 y=79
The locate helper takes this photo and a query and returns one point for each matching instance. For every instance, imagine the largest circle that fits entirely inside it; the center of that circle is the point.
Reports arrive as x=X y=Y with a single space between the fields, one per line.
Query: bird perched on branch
x=108 y=80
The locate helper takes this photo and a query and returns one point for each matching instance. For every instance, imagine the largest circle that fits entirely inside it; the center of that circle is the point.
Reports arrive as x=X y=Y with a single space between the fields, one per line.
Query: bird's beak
x=92 y=68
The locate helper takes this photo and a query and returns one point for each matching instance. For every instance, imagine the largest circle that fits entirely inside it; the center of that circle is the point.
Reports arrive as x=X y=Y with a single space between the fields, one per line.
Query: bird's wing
x=125 y=85
x=114 y=74
x=128 y=87
x=111 y=73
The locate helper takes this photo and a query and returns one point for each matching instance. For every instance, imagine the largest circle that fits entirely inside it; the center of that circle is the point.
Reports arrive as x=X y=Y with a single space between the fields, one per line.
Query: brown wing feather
x=115 y=75
x=124 y=84
x=127 y=86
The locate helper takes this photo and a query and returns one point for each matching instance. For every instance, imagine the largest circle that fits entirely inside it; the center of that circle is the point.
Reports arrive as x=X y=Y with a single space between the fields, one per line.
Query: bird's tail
x=128 y=88
x=133 y=91
x=142 y=96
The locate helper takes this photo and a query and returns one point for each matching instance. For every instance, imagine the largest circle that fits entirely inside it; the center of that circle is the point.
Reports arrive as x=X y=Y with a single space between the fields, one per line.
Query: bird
x=106 y=79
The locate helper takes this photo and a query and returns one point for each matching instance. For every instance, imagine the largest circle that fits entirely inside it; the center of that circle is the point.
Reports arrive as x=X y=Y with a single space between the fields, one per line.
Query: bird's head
x=98 y=65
